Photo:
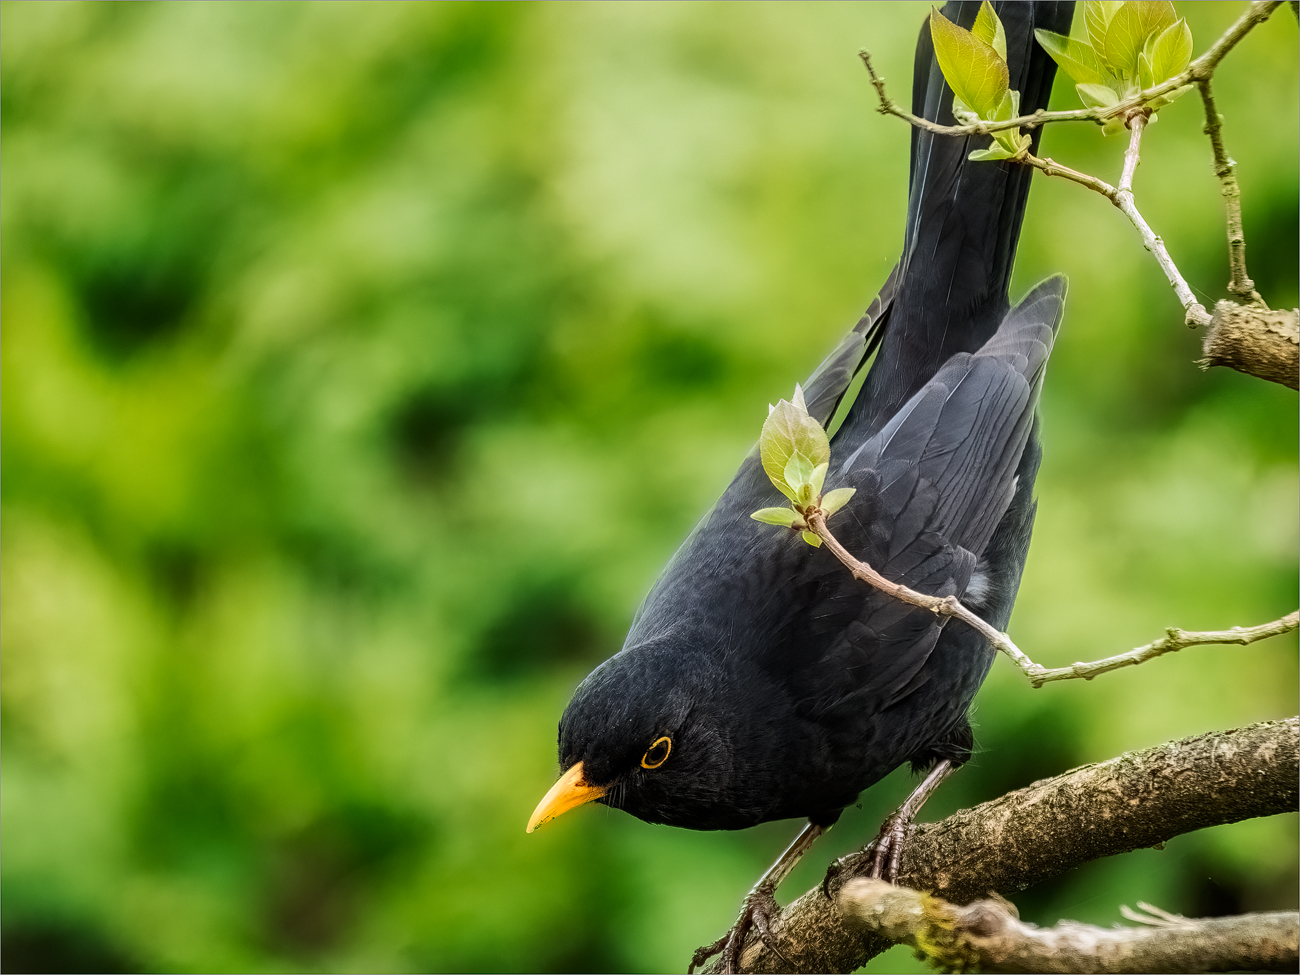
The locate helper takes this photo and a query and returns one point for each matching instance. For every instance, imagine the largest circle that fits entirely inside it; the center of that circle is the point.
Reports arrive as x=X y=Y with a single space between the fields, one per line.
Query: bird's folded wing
x=946 y=462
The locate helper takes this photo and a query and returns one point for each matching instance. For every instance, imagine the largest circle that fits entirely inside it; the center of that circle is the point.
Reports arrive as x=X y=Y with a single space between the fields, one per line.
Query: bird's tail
x=963 y=218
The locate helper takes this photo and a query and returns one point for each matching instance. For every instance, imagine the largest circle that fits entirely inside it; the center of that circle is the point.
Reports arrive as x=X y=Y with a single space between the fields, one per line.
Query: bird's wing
x=932 y=486
x=958 y=440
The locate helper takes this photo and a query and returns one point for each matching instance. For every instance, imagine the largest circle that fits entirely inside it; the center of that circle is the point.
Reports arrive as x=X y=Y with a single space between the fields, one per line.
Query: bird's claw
x=760 y=912
x=844 y=865
x=879 y=860
x=886 y=850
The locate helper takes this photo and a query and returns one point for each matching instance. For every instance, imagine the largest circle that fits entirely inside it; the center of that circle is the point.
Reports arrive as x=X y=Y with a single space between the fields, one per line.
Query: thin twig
x=1194 y=312
x=890 y=107
x=941 y=605
x=1202 y=69
x=1132 y=155
x=1225 y=168
x=1174 y=638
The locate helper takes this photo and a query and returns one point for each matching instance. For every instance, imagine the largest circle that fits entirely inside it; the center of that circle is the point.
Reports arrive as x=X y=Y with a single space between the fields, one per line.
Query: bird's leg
x=887 y=848
x=759 y=909
x=885 y=851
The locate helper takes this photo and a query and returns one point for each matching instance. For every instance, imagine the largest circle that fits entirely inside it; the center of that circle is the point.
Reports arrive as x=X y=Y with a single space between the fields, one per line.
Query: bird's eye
x=657 y=753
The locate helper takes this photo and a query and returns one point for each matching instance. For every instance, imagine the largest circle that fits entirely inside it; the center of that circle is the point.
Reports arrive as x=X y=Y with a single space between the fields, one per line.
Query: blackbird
x=760 y=680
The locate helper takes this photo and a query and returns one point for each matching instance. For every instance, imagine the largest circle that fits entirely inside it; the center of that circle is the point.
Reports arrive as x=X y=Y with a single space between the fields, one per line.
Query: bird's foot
x=885 y=851
x=845 y=867
x=760 y=912
x=878 y=861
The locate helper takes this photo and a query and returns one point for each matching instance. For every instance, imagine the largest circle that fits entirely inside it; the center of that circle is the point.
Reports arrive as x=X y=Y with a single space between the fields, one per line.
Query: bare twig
x=941 y=605
x=1174 y=638
x=1225 y=168
x=1122 y=197
x=1132 y=155
x=1202 y=69
x=1137 y=800
x=989 y=934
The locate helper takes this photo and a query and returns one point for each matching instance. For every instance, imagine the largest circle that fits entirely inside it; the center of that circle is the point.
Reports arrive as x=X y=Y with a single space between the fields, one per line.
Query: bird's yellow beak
x=570 y=792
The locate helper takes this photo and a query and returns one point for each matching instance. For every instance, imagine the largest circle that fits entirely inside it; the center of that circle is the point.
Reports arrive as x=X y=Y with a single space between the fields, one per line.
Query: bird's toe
x=759 y=912
x=886 y=850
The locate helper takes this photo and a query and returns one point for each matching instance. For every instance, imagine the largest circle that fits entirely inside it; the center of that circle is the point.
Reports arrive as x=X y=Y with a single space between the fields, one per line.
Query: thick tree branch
x=989 y=934
x=1137 y=800
x=1256 y=341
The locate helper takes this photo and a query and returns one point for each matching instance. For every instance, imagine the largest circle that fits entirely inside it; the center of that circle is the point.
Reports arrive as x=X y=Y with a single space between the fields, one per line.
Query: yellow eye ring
x=657 y=753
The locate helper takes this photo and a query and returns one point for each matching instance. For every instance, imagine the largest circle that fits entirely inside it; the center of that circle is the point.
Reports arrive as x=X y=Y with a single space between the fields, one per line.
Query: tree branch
x=1174 y=639
x=1137 y=800
x=1256 y=341
x=950 y=606
x=1226 y=169
x=1122 y=197
x=989 y=934
x=890 y=107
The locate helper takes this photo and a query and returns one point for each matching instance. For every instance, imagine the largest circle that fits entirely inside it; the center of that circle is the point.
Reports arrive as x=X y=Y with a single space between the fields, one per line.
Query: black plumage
x=784 y=686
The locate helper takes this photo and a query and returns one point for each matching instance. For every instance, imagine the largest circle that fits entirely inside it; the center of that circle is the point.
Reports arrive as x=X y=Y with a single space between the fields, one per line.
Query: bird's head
x=648 y=735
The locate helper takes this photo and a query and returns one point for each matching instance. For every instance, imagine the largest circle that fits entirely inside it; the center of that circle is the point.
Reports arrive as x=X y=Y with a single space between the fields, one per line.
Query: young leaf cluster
x=1125 y=47
x=974 y=63
x=796 y=454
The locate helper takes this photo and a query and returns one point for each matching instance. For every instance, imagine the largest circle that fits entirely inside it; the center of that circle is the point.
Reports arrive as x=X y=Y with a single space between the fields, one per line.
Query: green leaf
x=775 y=516
x=1097 y=15
x=833 y=501
x=797 y=400
x=1129 y=29
x=818 y=478
x=972 y=68
x=812 y=539
x=798 y=471
x=1007 y=108
x=1097 y=96
x=1169 y=52
x=789 y=429
x=1144 y=70
x=1169 y=96
x=1113 y=126
x=962 y=112
x=988 y=28
x=1076 y=58
x=992 y=154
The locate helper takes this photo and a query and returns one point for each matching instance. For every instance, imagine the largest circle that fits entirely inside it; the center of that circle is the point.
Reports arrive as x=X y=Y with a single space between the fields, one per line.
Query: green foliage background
x=362 y=365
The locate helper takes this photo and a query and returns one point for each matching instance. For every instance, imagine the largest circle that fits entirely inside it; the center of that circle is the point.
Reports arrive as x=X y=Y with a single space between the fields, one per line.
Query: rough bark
x=1256 y=341
x=990 y=936
x=1140 y=799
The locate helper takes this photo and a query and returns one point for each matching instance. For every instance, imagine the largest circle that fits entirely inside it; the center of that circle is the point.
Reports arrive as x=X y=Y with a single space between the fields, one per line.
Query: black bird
x=760 y=681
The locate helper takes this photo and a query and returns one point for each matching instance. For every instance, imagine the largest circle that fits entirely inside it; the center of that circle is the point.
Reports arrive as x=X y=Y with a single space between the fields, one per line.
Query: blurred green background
x=363 y=364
